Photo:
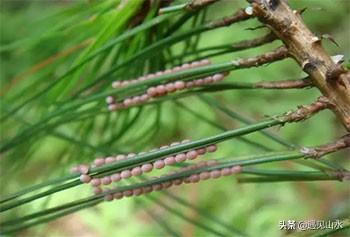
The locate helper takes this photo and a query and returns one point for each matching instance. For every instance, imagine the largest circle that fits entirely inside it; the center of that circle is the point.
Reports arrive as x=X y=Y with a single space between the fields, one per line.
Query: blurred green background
x=39 y=43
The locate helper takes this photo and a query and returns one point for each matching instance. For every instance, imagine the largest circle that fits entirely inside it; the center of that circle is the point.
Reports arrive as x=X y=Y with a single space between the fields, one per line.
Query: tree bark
x=332 y=79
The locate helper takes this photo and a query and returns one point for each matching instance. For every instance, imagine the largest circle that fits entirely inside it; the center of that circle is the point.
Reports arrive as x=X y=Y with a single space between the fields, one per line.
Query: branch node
x=333 y=73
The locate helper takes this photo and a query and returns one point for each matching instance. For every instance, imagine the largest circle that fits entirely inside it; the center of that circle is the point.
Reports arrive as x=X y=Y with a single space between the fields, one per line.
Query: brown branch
x=194 y=5
x=305 y=111
x=240 y=15
x=317 y=152
x=286 y=84
x=330 y=78
x=278 y=54
x=251 y=43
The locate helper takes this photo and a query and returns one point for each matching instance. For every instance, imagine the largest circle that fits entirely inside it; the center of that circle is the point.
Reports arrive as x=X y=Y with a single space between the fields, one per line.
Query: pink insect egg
x=84 y=178
x=204 y=62
x=199 y=82
x=211 y=148
x=125 y=174
x=175 y=143
x=110 y=159
x=95 y=182
x=236 y=169
x=195 y=64
x=176 y=69
x=163 y=147
x=75 y=170
x=170 y=160
x=121 y=157
x=128 y=193
x=179 y=85
x=159 y=73
x=152 y=92
x=212 y=162
x=112 y=107
x=137 y=191
x=161 y=90
x=201 y=151
x=201 y=163
x=204 y=175
x=218 y=77
x=97 y=190
x=167 y=71
x=180 y=157
x=99 y=161
x=187 y=180
x=115 y=177
x=208 y=80
x=108 y=197
x=159 y=164
x=127 y=102
x=136 y=171
x=116 y=84
x=147 y=189
x=130 y=155
x=150 y=76
x=147 y=168
x=190 y=84
x=157 y=187
x=226 y=172
x=109 y=99
x=215 y=174
x=135 y=100
x=170 y=87
x=191 y=155
x=141 y=78
x=118 y=195
x=124 y=83
x=167 y=184
x=185 y=66
x=83 y=169
x=177 y=181
x=106 y=180
x=144 y=98
x=194 y=178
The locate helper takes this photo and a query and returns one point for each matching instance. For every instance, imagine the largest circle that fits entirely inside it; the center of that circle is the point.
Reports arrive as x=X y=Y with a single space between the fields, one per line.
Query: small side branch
x=305 y=111
x=240 y=15
x=197 y=4
x=276 y=55
x=317 y=152
x=286 y=84
x=245 y=44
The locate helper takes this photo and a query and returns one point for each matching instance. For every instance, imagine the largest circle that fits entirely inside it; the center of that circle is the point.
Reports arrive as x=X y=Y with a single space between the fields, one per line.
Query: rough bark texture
x=332 y=79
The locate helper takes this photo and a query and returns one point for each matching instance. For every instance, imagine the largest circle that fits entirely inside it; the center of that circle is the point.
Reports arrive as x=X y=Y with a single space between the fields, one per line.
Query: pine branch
x=306 y=49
